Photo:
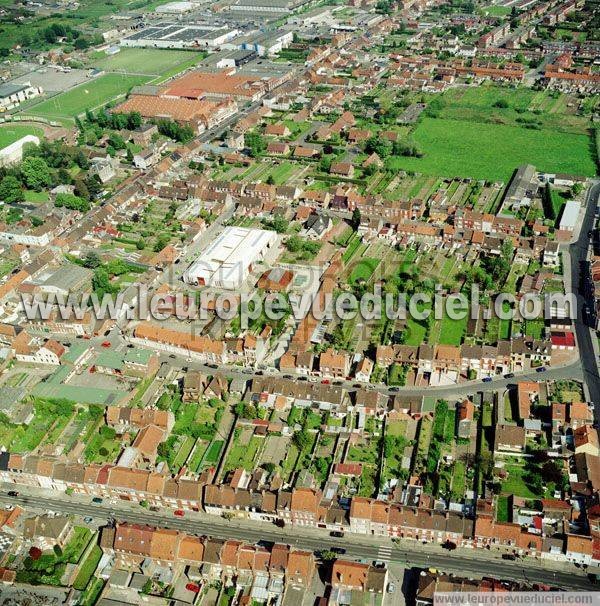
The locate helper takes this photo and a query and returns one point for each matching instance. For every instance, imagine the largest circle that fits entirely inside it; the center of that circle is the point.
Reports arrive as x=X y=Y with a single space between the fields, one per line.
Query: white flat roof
x=236 y=247
x=570 y=214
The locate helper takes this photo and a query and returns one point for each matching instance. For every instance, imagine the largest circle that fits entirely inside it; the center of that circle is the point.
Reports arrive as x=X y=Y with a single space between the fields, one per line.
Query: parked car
x=193 y=587
x=179 y=512
x=88 y=520
x=509 y=556
x=449 y=545
x=338 y=550
x=105 y=344
x=13 y=493
x=541 y=369
x=509 y=375
x=96 y=500
x=487 y=379
x=391 y=588
x=337 y=533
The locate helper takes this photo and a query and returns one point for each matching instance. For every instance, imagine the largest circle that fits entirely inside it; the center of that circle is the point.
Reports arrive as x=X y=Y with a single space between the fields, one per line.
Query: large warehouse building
x=229 y=259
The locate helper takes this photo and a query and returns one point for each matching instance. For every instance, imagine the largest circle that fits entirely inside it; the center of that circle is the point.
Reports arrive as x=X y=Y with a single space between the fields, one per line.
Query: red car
x=179 y=512
x=105 y=343
x=325 y=381
x=193 y=587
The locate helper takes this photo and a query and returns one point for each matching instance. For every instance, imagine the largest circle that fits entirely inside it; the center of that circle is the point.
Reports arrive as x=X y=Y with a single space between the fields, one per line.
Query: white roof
x=235 y=248
x=570 y=214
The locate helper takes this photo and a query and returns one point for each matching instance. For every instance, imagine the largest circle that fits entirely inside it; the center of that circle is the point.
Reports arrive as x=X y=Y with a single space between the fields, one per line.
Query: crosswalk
x=384 y=553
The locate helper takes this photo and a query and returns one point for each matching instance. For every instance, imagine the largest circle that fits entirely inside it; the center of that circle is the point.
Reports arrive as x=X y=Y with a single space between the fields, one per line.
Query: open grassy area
x=9 y=133
x=150 y=61
x=88 y=95
x=493 y=151
x=364 y=269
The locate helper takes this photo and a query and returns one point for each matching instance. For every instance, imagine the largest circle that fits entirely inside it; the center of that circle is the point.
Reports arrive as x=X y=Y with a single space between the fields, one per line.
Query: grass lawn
x=282 y=172
x=87 y=568
x=9 y=133
x=213 y=452
x=502 y=509
x=458 y=480
x=516 y=483
x=243 y=455
x=88 y=95
x=148 y=61
x=364 y=269
x=416 y=333
x=493 y=151
x=184 y=452
x=452 y=331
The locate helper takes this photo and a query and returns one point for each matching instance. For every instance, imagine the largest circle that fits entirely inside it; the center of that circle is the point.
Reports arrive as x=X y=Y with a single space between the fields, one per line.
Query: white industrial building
x=229 y=259
x=570 y=214
x=179 y=35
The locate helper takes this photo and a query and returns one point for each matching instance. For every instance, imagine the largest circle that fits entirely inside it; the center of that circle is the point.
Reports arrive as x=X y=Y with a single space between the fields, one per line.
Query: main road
x=466 y=562
x=577 y=252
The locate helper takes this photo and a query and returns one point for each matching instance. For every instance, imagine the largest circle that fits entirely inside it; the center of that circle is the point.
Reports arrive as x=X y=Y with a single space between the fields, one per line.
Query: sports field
x=148 y=61
x=487 y=151
x=90 y=95
x=9 y=133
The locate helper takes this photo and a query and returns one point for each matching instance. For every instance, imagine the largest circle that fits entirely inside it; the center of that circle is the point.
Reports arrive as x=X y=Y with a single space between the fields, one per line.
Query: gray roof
x=8 y=89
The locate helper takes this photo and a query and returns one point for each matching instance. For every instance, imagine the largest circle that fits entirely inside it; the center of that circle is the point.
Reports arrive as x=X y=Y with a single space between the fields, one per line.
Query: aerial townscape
x=299 y=301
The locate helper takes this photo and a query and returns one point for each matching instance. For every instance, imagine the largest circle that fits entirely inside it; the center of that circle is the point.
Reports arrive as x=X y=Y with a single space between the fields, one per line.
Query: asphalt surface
x=578 y=252
x=463 y=561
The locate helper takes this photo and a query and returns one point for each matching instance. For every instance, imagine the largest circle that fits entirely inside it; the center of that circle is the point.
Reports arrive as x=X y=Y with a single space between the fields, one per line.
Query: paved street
x=473 y=563
x=586 y=337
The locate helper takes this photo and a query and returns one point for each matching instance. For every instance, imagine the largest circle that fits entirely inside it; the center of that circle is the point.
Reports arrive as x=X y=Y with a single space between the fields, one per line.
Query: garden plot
x=275 y=450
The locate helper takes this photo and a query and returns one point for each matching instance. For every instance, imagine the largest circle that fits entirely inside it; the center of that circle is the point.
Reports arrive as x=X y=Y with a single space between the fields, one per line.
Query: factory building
x=230 y=258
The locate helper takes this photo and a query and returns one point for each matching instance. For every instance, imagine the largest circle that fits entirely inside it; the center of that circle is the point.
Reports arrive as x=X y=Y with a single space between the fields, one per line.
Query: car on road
x=172 y=356
x=105 y=344
x=247 y=371
x=357 y=385
x=337 y=533
x=394 y=389
x=509 y=375
x=338 y=550
x=96 y=500
x=302 y=378
x=212 y=366
x=179 y=513
x=509 y=556
x=288 y=377
x=541 y=369
x=88 y=519
x=338 y=382
x=391 y=588
x=487 y=379
x=13 y=493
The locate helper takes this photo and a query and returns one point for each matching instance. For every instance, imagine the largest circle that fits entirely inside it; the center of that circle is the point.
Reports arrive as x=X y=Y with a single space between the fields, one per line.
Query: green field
x=493 y=151
x=148 y=61
x=88 y=95
x=9 y=133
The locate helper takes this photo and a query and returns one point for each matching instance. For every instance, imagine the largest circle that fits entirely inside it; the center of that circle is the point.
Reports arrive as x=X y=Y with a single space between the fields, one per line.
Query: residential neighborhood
x=299 y=301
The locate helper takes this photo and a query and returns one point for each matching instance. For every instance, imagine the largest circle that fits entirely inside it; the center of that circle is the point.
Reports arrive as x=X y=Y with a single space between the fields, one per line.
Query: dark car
x=487 y=379
x=13 y=493
x=339 y=550
x=449 y=545
x=509 y=375
x=509 y=556
x=541 y=369
x=96 y=500
x=336 y=533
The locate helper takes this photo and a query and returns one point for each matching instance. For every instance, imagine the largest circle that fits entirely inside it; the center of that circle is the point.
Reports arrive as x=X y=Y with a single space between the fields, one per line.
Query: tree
x=35 y=553
x=35 y=173
x=256 y=143
x=72 y=202
x=301 y=439
x=356 y=217
x=10 y=190
x=91 y=260
x=382 y=147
